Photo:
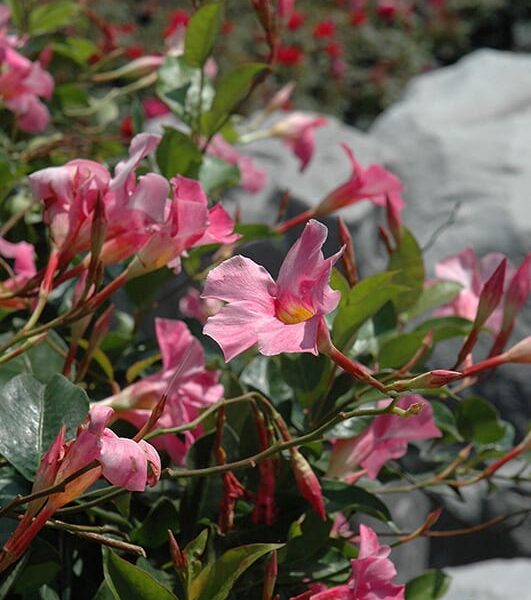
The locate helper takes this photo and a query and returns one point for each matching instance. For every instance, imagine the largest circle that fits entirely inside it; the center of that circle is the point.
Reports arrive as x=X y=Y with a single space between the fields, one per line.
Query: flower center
x=292 y=311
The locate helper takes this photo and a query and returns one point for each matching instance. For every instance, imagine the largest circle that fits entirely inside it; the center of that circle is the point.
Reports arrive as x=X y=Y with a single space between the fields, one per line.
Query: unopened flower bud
x=270 y=577
x=177 y=555
x=519 y=353
x=307 y=482
x=431 y=379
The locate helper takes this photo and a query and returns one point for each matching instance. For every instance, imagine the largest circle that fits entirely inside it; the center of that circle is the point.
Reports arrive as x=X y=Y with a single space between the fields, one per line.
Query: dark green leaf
x=41 y=361
x=129 y=581
x=46 y=18
x=201 y=34
x=362 y=302
x=194 y=551
x=263 y=374
x=215 y=581
x=32 y=414
x=428 y=586
x=344 y=497
x=478 y=421
x=445 y=328
x=399 y=350
x=41 y=568
x=216 y=174
x=433 y=296
x=154 y=529
x=445 y=420
x=409 y=266
x=256 y=231
x=231 y=90
x=177 y=154
x=77 y=49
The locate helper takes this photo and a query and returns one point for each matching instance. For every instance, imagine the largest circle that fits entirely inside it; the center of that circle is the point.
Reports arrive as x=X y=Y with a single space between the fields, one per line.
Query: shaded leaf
x=432 y=296
x=46 y=18
x=153 y=531
x=177 y=154
x=343 y=497
x=478 y=421
x=216 y=174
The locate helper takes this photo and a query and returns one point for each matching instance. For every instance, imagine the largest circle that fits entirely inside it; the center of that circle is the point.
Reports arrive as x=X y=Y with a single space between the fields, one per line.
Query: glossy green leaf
x=432 y=296
x=445 y=419
x=32 y=414
x=46 y=18
x=126 y=580
x=216 y=174
x=399 y=350
x=478 y=421
x=153 y=532
x=77 y=49
x=344 y=497
x=177 y=154
x=201 y=34
x=41 y=568
x=408 y=263
x=431 y=585
x=263 y=374
x=194 y=551
x=363 y=301
x=230 y=91
x=255 y=231
x=216 y=579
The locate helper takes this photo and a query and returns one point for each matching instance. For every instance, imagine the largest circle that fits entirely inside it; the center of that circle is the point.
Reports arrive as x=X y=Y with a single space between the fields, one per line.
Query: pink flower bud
x=431 y=379
x=177 y=555
x=519 y=353
x=307 y=482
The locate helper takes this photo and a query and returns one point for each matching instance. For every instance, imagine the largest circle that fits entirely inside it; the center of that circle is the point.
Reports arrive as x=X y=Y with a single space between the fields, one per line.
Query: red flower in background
x=296 y=21
x=178 y=19
x=134 y=51
x=334 y=49
x=290 y=56
x=324 y=29
x=358 y=17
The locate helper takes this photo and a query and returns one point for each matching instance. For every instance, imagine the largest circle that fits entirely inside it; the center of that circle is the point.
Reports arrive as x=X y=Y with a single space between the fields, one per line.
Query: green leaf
x=303 y=373
x=201 y=34
x=445 y=419
x=344 y=497
x=399 y=350
x=46 y=18
x=445 y=328
x=408 y=263
x=478 y=421
x=339 y=283
x=263 y=373
x=363 y=301
x=41 y=568
x=153 y=532
x=216 y=174
x=41 y=361
x=129 y=581
x=177 y=154
x=428 y=586
x=255 y=231
x=230 y=91
x=216 y=580
x=431 y=297
x=193 y=552
x=32 y=414
x=77 y=49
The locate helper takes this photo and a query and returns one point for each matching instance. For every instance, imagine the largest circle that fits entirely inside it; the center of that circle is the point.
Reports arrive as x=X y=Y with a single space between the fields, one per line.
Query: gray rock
x=491 y=580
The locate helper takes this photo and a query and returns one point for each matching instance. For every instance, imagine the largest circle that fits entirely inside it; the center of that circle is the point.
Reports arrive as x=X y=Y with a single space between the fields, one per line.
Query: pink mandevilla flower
x=252 y=178
x=297 y=131
x=22 y=83
x=387 y=437
x=123 y=462
x=372 y=575
x=281 y=316
x=471 y=273
x=184 y=377
x=375 y=183
x=23 y=256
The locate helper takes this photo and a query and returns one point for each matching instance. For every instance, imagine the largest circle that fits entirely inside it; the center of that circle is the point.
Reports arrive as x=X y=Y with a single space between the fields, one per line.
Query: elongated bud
x=489 y=299
x=520 y=352
x=270 y=577
x=348 y=257
x=283 y=95
x=491 y=294
x=516 y=297
x=177 y=555
x=98 y=229
x=307 y=482
x=431 y=379
x=133 y=69
x=386 y=239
